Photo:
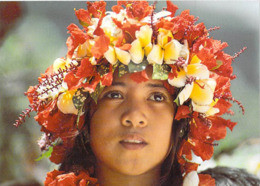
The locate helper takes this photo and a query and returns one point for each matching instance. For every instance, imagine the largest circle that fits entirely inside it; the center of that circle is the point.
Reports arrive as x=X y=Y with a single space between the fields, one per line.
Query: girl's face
x=131 y=127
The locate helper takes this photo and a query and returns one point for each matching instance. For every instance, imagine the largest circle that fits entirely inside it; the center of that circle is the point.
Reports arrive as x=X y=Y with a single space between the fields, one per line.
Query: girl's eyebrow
x=118 y=83
x=150 y=85
x=155 y=85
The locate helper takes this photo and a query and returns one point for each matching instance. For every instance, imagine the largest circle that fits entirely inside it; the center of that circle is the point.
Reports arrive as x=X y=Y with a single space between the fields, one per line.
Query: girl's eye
x=158 y=97
x=113 y=95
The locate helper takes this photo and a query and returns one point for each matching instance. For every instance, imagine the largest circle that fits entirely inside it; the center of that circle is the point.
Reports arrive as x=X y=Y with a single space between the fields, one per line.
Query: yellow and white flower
x=142 y=45
x=113 y=54
x=167 y=49
x=200 y=90
x=65 y=103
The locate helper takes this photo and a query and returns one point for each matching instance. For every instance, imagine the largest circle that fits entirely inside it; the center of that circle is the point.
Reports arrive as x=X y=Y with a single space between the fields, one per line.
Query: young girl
x=137 y=99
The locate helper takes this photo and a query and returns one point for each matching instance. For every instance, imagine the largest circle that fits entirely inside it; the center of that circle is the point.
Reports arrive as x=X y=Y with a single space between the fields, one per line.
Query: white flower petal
x=203 y=91
x=212 y=111
x=156 y=55
x=200 y=108
x=185 y=51
x=144 y=35
x=65 y=103
x=156 y=16
x=136 y=51
x=123 y=56
x=197 y=70
x=59 y=63
x=185 y=93
x=172 y=51
x=191 y=179
x=110 y=55
x=180 y=80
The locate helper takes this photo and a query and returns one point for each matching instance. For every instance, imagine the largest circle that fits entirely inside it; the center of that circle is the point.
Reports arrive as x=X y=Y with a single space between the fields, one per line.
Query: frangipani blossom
x=85 y=49
x=59 y=63
x=192 y=70
x=167 y=49
x=142 y=45
x=65 y=103
x=200 y=90
x=114 y=53
x=201 y=93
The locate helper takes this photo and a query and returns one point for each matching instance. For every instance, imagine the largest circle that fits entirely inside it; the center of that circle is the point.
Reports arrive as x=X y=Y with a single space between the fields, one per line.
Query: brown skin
x=139 y=110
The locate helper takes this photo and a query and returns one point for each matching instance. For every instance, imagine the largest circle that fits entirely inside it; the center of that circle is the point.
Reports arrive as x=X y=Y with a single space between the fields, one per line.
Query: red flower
x=171 y=8
x=117 y=8
x=97 y=9
x=86 y=69
x=138 y=10
x=86 y=77
x=84 y=17
x=134 y=9
x=59 y=178
x=207 y=54
x=128 y=31
x=77 y=37
x=182 y=23
x=182 y=112
x=101 y=46
x=206 y=180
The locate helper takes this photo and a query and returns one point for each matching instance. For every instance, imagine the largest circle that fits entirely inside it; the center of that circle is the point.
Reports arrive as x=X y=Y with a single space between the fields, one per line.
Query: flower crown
x=129 y=39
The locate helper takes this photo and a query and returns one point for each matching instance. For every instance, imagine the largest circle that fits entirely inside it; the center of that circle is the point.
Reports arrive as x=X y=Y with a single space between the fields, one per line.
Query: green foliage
x=45 y=154
x=160 y=72
x=137 y=67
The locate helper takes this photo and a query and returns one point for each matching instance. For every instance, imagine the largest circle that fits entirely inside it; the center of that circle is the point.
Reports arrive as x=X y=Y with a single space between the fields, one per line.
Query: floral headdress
x=129 y=39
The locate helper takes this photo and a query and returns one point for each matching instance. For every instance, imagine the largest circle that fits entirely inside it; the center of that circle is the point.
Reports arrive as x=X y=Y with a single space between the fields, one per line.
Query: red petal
x=139 y=76
x=223 y=106
x=171 y=8
x=77 y=37
x=97 y=9
x=107 y=79
x=86 y=69
x=71 y=80
x=117 y=8
x=206 y=180
x=138 y=9
x=101 y=46
x=182 y=112
x=84 y=16
x=126 y=47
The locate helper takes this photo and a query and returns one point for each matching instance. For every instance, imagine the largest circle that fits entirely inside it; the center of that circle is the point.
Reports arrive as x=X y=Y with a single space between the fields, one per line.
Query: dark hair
x=227 y=176
x=75 y=159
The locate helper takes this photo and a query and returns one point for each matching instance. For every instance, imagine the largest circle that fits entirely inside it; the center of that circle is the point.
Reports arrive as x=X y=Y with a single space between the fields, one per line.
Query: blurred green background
x=38 y=37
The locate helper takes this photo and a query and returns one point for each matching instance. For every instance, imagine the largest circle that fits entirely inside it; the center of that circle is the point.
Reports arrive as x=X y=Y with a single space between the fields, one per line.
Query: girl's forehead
x=127 y=80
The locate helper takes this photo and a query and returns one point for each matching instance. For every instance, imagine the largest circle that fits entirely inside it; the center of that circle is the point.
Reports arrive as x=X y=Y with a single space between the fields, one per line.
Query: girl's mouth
x=133 y=142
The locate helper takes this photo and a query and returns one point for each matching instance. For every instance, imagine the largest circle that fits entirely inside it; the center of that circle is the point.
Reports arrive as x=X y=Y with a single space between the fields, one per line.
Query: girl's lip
x=133 y=142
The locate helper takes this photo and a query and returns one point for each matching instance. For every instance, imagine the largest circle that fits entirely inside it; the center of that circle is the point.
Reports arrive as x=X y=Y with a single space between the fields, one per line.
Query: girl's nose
x=134 y=116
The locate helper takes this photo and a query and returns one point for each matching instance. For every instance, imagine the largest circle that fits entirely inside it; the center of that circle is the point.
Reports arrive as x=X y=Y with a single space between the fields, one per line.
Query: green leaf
x=103 y=69
x=137 y=67
x=219 y=63
x=177 y=101
x=122 y=69
x=96 y=93
x=160 y=71
x=45 y=154
x=83 y=23
x=79 y=98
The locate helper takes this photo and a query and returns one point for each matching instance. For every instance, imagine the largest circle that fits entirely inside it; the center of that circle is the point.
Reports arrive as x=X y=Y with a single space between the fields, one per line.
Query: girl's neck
x=108 y=177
